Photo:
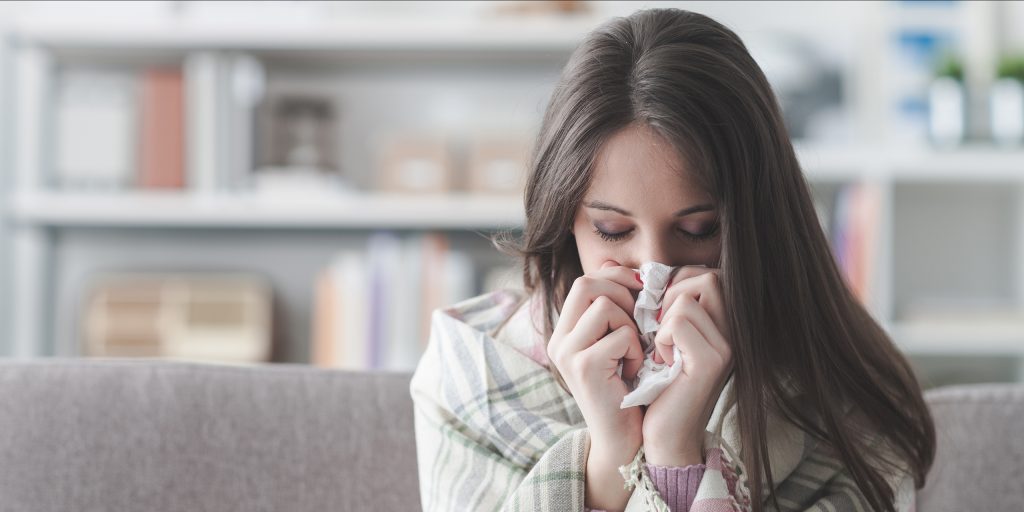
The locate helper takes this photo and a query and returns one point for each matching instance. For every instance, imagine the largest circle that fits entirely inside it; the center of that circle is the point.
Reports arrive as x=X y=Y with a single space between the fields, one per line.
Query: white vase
x=1006 y=106
x=946 y=114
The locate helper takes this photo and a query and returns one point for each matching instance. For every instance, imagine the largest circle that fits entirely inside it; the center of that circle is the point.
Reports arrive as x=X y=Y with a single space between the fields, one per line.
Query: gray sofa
x=144 y=435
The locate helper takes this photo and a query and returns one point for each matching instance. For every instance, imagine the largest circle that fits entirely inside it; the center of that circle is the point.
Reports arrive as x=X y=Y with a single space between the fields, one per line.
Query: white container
x=946 y=114
x=1006 y=106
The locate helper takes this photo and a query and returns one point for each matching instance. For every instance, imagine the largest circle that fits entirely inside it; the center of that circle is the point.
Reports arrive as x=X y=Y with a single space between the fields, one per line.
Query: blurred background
x=305 y=182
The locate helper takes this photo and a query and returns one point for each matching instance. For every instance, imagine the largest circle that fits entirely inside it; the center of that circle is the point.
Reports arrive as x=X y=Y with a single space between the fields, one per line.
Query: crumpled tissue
x=652 y=378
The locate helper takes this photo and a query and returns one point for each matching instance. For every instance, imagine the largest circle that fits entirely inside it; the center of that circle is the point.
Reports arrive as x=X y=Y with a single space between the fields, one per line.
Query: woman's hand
x=694 y=320
x=596 y=331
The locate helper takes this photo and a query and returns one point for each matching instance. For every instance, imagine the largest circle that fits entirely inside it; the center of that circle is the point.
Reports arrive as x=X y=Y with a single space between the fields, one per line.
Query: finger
x=690 y=309
x=683 y=275
x=621 y=344
x=693 y=348
x=704 y=285
x=598 y=320
x=584 y=291
x=623 y=275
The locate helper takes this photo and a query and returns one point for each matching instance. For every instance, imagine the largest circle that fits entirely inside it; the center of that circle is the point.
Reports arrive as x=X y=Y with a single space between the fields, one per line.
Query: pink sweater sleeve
x=677 y=485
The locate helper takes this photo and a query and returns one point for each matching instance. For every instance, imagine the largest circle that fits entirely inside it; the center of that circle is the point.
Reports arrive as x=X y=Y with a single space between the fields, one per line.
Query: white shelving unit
x=40 y=213
x=358 y=211
x=901 y=172
x=461 y=35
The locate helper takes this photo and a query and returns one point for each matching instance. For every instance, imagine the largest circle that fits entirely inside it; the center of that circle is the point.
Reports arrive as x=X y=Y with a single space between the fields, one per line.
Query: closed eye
x=612 y=237
x=694 y=237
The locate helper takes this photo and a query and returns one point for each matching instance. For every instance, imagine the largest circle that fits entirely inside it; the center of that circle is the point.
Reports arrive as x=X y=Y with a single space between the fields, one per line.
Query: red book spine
x=162 y=134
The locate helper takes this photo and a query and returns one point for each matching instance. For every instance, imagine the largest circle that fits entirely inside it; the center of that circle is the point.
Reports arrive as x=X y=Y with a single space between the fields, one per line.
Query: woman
x=663 y=142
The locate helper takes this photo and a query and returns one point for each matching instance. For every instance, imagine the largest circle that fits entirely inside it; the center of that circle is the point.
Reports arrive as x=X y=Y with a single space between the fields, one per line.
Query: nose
x=653 y=249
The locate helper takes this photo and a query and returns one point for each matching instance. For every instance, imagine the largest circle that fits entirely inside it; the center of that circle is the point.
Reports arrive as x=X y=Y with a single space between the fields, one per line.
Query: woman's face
x=646 y=208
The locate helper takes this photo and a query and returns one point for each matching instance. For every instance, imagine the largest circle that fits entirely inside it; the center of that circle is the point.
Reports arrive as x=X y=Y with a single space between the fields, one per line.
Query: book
x=162 y=129
x=244 y=89
x=205 y=139
x=386 y=294
x=95 y=124
x=408 y=337
x=373 y=307
x=351 y=283
x=435 y=245
x=323 y=353
x=854 y=236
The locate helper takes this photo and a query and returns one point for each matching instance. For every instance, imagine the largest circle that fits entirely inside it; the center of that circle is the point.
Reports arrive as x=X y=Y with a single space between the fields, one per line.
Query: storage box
x=208 y=318
x=414 y=163
x=497 y=164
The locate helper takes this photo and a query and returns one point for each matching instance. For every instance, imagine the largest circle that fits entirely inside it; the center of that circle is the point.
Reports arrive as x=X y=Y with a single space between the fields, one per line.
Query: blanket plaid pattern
x=496 y=431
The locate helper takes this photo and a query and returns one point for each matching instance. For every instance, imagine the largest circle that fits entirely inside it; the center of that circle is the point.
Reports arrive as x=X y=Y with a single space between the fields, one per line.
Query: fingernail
x=637 y=276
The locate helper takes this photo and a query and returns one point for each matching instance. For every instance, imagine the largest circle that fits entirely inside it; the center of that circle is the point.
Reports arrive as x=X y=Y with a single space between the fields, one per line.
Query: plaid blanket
x=495 y=430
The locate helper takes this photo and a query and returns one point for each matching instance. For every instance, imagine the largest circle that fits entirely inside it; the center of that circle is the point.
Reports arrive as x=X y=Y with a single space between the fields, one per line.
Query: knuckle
x=604 y=305
x=585 y=283
x=723 y=358
x=727 y=353
x=675 y=322
x=577 y=286
x=579 y=364
x=718 y=359
x=556 y=359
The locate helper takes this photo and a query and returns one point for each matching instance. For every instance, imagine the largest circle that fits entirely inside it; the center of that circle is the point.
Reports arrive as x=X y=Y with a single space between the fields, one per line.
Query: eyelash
x=614 y=237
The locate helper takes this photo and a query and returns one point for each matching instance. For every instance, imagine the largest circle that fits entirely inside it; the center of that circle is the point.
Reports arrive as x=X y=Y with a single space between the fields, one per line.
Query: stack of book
x=854 y=235
x=187 y=125
x=117 y=129
x=373 y=308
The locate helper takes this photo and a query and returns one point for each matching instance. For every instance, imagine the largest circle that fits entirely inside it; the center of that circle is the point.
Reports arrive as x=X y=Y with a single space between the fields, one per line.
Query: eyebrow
x=599 y=205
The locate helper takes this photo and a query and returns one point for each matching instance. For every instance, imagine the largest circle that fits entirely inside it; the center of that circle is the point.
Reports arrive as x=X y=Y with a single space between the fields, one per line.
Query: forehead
x=638 y=167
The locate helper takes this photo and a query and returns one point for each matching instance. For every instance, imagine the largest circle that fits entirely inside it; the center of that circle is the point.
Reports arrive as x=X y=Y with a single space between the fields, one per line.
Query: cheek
x=593 y=253
x=590 y=253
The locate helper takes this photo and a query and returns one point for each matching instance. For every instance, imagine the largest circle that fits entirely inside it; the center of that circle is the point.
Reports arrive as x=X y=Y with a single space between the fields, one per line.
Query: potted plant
x=1006 y=102
x=946 y=100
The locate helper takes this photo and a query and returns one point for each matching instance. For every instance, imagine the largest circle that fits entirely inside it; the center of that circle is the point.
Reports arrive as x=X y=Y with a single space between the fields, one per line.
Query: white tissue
x=652 y=378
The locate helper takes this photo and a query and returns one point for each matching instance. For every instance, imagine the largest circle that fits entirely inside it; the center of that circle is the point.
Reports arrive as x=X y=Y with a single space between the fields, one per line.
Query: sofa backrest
x=122 y=434
x=979 y=464
x=129 y=435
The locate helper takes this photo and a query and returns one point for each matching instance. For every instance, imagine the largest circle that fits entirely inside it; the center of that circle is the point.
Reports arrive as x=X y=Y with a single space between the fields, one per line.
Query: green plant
x=950 y=66
x=1011 y=66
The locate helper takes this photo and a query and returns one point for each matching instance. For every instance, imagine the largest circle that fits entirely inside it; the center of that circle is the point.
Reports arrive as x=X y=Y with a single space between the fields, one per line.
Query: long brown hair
x=794 y=320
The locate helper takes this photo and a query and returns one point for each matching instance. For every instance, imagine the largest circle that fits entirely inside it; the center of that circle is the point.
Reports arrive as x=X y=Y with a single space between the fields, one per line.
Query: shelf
x=360 y=211
x=458 y=211
x=499 y=34
x=968 y=163
x=959 y=338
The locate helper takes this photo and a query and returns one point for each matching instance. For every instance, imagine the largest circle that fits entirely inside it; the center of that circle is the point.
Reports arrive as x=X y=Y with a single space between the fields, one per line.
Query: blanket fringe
x=636 y=476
